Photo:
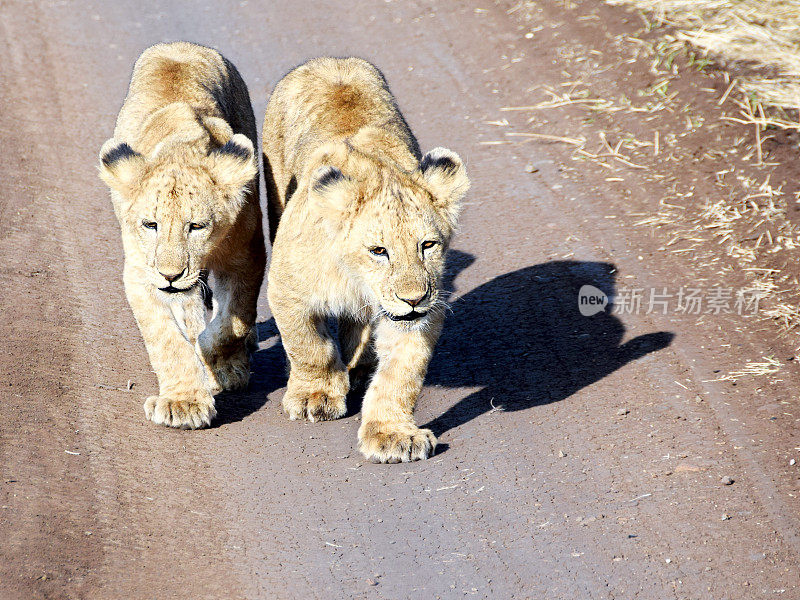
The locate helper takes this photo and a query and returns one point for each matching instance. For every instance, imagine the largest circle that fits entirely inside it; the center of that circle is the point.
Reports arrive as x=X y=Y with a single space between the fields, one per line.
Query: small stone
x=792 y=462
x=669 y=560
x=529 y=168
x=528 y=36
x=371 y=582
x=623 y=411
x=727 y=480
x=562 y=454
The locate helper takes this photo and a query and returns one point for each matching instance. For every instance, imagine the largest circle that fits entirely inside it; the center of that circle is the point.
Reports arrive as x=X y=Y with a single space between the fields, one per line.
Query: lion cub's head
x=176 y=204
x=391 y=226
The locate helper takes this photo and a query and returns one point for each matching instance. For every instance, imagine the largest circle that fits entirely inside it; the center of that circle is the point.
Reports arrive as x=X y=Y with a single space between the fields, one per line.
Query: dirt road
x=580 y=457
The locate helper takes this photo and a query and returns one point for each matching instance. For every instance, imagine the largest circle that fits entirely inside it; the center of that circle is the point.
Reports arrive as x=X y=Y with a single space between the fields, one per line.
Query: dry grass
x=763 y=36
x=724 y=208
x=768 y=365
x=785 y=315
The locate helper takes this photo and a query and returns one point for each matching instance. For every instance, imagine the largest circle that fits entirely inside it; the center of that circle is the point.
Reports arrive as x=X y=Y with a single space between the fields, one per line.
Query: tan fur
x=344 y=177
x=182 y=154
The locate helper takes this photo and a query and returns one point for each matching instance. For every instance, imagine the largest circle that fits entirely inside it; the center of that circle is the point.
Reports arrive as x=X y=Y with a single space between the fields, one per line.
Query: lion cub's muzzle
x=175 y=286
x=418 y=300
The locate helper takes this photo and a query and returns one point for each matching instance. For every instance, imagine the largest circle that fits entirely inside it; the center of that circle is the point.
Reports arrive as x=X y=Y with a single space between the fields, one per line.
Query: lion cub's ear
x=120 y=166
x=331 y=191
x=233 y=166
x=218 y=129
x=444 y=172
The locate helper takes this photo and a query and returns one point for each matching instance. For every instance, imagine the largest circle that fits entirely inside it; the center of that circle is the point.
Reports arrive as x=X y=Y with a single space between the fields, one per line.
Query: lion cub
x=361 y=224
x=182 y=171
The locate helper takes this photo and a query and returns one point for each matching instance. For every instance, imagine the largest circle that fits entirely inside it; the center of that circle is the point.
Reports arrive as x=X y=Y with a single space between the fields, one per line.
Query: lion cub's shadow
x=521 y=339
x=518 y=337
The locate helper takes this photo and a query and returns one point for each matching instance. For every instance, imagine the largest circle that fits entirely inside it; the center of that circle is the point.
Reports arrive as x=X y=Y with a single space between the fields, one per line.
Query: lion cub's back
x=335 y=96
x=190 y=73
x=178 y=72
x=328 y=99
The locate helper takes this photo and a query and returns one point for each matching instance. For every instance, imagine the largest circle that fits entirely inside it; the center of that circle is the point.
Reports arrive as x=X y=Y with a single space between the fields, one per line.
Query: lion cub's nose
x=171 y=276
x=413 y=300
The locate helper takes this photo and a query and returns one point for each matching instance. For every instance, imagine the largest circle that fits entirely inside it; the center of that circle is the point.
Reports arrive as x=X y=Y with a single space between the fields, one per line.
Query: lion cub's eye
x=196 y=226
x=149 y=224
x=428 y=245
x=378 y=251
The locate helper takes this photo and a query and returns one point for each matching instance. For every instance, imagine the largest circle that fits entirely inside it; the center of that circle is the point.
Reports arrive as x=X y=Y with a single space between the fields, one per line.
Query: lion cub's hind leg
x=230 y=337
x=358 y=355
x=228 y=366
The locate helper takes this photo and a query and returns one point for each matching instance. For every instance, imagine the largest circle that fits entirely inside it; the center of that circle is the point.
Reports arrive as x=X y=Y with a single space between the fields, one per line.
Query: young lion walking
x=182 y=171
x=361 y=224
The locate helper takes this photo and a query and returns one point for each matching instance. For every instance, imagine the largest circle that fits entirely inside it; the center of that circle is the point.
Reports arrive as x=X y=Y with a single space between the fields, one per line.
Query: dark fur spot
x=329 y=176
x=447 y=164
x=234 y=149
x=205 y=291
x=117 y=153
x=291 y=188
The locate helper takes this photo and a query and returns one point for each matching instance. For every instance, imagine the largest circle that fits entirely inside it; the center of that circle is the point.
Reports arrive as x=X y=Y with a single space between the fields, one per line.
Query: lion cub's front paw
x=395 y=442
x=186 y=410
x=227 y=370
x=315 y=403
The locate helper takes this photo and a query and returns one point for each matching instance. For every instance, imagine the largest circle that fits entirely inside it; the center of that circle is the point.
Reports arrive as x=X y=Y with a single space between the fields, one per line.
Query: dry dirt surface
x=580 y=457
